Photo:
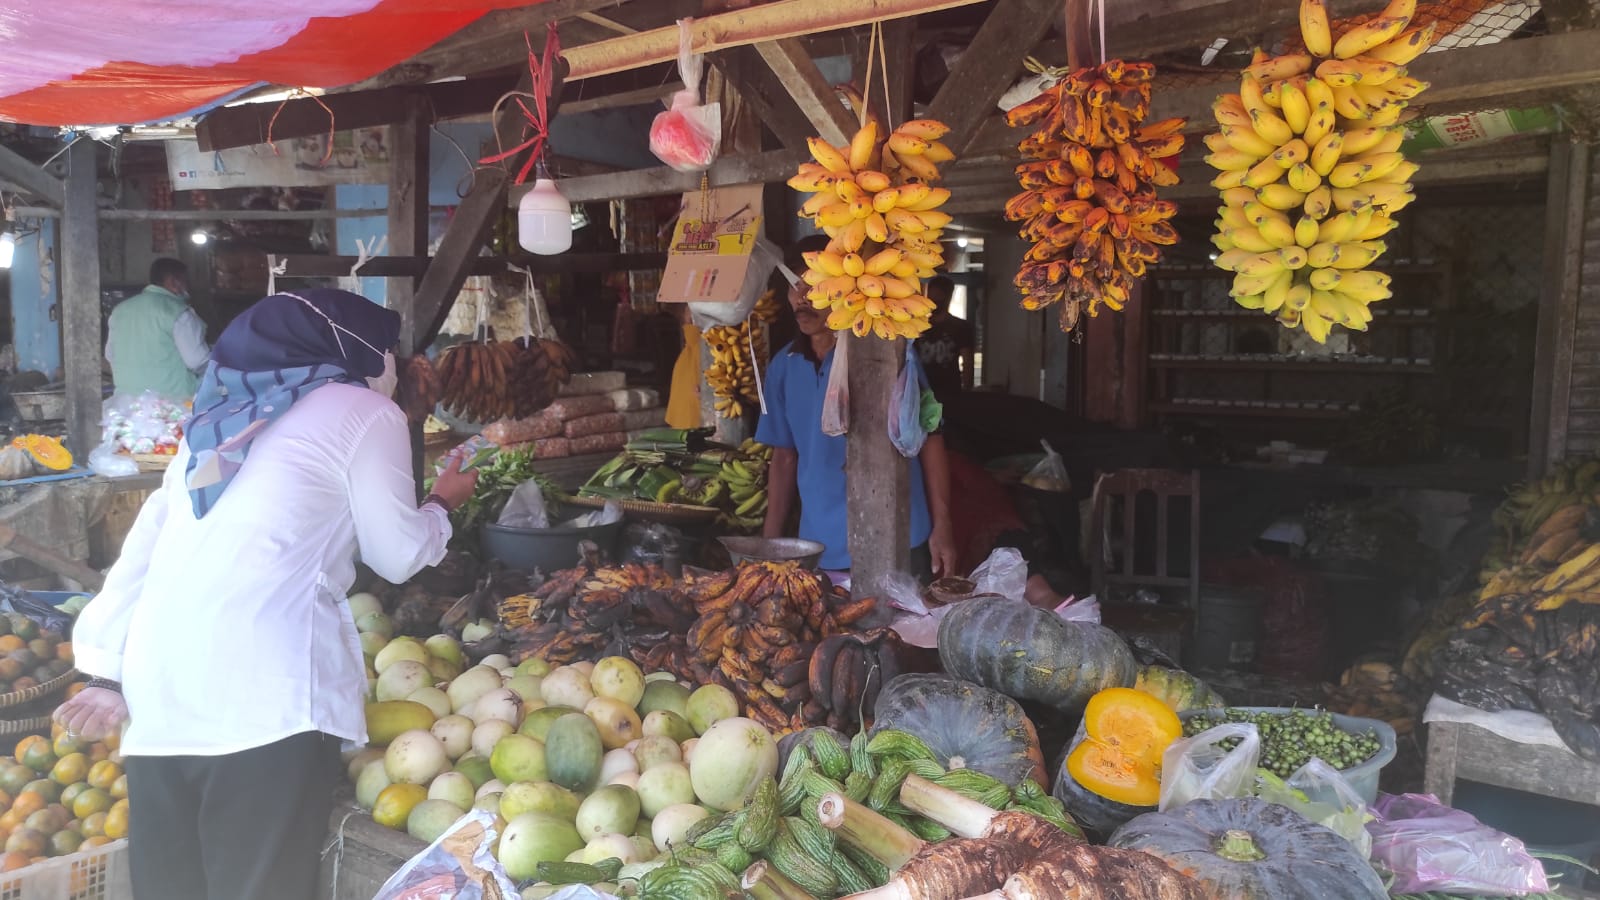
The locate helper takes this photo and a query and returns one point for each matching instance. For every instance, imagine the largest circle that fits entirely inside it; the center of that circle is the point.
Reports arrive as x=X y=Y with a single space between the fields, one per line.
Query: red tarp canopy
x=107 y=62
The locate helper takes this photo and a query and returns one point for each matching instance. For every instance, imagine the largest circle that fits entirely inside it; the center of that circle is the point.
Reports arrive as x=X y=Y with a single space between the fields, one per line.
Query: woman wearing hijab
x=222 y=634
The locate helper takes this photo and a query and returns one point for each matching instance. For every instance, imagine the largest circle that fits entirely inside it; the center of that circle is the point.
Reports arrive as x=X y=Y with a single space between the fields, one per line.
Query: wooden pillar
x=1556 y=355
x=408 y=232
x=82 y=347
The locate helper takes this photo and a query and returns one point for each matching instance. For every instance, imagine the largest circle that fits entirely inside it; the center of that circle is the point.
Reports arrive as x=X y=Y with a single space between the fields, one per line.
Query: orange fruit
x=10 y=669
x=119 y=788
x=13 y=861
x=71 y=792
x=44 y=787
x=14 y=778
x=9 y=821
x=104 y=774
x=90 y=802
x=11 y=643
x=39 y=757
x=98 y=840
x=69 y=769
x=64 y=651
x=27 y=803
x=65 y=842
x=93 y=825
x=63 y=746
x=23 y=683
x=117 y=819
x=113 y=741
x=47 y=821
x=27 y=743
x=97 y=752
x=27 y=842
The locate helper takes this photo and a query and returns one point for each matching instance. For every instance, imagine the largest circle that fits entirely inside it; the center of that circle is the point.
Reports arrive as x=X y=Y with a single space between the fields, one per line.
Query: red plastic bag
x=688 y=135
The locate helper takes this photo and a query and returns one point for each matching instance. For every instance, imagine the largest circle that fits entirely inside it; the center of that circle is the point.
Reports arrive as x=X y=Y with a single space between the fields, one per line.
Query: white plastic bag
x=105 y=461
x=1050 y=474
x=606 y=515
x=836 y=401
x=687 y=136
x=1318 y=792
x=1005 y=572
x=459 y=865
x=1200 y=768
x=525 y=508
x=1084 y=610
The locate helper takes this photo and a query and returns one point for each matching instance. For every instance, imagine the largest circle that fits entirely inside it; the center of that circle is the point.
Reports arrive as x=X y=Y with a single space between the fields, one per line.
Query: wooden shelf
x=1281 y=364
x=1276 y=412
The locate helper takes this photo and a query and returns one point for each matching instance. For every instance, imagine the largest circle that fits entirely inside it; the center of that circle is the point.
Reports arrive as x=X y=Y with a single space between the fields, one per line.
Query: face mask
x=385 y=383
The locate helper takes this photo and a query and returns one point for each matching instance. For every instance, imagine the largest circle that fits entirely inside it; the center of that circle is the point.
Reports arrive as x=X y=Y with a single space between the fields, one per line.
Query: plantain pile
x=1535 y=523
x=874 y=200
x=1311 y=169
x=1374 y=690
x=848 y=670
x=590 y=613
x=758 y=625
x=418 y=388
x=1088 y=198
x=486 y=380
x=738 y=354
x=745 y=509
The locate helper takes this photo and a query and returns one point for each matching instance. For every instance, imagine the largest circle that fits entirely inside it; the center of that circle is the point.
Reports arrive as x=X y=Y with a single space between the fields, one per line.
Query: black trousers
x=244 y=826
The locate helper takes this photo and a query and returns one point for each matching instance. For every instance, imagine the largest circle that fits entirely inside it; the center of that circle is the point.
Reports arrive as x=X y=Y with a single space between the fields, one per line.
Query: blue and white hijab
x=274 y=353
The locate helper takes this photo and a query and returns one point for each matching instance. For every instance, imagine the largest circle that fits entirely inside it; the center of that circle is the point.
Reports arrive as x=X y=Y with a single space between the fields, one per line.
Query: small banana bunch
x=1312 y=174
x=733 y=371
x=1088 y=194
x=875 y=201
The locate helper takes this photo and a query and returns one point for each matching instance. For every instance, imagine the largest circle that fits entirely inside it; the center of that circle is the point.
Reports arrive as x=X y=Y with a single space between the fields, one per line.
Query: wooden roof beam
x=758 y=86
x=31 y=178
x=798 y=73
x=771 y=21
x=989 y=65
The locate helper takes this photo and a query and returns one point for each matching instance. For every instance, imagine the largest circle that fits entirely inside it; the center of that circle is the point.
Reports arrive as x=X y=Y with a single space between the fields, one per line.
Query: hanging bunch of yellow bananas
x=1312 y=174
x=874 y=200
x=1088 y=196
x=738 y=355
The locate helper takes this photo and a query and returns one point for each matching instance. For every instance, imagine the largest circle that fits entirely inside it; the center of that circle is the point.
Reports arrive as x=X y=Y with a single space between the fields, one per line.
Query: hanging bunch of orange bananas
x=875 y=202
x=1088 y=198
x=1312 y=173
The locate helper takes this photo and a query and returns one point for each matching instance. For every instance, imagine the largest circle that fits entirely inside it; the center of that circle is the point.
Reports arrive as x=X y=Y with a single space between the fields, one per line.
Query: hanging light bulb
x=544 y=217
x=198 y=237
x=8 y=242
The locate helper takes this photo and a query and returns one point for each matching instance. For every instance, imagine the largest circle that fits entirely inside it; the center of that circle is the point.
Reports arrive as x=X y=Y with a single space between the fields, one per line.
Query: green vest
x=144 y=356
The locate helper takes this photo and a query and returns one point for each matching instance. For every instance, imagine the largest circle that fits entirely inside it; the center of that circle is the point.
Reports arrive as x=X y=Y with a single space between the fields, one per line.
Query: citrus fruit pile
x=59 y=795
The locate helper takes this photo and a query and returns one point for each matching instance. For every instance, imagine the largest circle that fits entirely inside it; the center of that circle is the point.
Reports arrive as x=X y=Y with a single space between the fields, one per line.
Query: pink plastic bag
x=1428 y=846
x=688 y=135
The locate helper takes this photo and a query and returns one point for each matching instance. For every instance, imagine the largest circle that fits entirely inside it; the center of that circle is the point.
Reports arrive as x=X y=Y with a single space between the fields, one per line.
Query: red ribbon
x=542 y=70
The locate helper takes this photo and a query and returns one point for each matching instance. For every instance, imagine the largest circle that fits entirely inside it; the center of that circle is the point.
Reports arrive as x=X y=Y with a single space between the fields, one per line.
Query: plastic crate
x=97 y=874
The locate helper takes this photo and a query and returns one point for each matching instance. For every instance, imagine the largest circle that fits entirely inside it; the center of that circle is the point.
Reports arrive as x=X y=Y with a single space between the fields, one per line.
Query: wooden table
x=1457 y=750
x=355 y=867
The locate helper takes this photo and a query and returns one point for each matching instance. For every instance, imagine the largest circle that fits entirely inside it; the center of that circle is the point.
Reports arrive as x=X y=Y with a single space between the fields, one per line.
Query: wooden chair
x=1127 y=575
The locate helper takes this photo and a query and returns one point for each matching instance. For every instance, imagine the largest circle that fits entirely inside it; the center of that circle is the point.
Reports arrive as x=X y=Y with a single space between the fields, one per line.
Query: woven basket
x=654 y=512
x=39 y=692
x=150 y=462
x=15 y=728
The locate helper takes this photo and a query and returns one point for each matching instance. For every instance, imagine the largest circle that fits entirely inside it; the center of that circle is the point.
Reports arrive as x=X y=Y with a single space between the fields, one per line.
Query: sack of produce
x=507 y=432
x=599 y=443
x=552 y=448
x=585 y=383
x=603 y=423
x=568 y=408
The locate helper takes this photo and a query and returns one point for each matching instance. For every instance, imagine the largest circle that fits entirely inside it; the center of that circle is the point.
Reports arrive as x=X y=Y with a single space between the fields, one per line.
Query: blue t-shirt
x=795 y=390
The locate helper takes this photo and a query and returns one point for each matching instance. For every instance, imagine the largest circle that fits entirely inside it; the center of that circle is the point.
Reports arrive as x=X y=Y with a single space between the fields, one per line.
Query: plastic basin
x=741 y=549
x=1364 y=777
x=546 y=549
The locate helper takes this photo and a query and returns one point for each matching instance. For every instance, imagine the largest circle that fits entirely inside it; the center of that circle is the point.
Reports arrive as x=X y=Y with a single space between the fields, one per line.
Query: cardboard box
x=713 y=251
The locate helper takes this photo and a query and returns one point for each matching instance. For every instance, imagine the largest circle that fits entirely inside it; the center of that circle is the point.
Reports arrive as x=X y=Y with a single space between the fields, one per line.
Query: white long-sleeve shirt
x=232 y=632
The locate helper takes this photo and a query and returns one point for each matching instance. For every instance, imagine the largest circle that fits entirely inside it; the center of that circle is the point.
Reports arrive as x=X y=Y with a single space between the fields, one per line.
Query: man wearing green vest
x=156 y=341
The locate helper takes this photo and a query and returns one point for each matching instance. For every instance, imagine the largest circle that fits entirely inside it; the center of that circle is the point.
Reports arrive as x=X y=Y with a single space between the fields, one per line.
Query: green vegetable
x=1289 y=740
x=499 y=473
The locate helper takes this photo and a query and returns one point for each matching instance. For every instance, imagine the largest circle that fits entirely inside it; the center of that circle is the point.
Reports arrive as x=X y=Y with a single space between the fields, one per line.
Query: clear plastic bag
x=1084 y=610
x=1050 y=474
x=606 y=515
x=836 y=400
x=105 y=461
x=688 y=135
x=906 y=429
x=1318 y=792
x=1430 y=847
x=1200 y=768
x=1005 y=572
x=460 y=865
x=904 y=593
x=525 y=508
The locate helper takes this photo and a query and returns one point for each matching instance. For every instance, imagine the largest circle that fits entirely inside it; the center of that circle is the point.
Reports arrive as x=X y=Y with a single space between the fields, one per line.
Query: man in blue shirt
x=811 y=465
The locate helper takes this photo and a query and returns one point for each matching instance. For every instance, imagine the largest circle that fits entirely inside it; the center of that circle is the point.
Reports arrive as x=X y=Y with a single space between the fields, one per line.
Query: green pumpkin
x=1096 y=814
x=1249 y=849
x=1031 y=654
x=966 y=726
x=1179 y=690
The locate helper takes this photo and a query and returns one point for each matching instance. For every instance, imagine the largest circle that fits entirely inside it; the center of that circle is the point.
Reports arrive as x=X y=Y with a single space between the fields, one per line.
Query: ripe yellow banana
x=828 y=156
x=1303 y=178
x=1361 y=140
x=1369 y=34
x=1319 y=202
x=872 y=181
x=927 y=129
x=1295 y=106
x=1263 y=173
x=1277 y=293
x=1281 y=197
x=1407 y=46
x=1326 y=153
x=863 y=145
x=1249 y=238
x=931 y=198
x=1293 y=152
x=1349 y=174
x=1244 y=139
x=1314 y=28
x=1306 y=231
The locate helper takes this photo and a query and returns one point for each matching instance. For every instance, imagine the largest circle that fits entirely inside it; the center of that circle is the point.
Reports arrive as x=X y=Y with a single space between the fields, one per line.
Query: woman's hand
x=92 y=714
x=942 y=550
x=452 y=485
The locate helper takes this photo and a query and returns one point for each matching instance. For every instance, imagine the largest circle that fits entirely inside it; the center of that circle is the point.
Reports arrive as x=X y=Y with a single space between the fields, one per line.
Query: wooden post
x=1080 y=49
x=879 y=479
x=81 y=347
x=408 y=231
x=1567 y=204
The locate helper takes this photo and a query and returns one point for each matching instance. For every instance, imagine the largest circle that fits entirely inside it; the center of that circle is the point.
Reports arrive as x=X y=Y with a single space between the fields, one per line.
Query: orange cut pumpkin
x=48 y=452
